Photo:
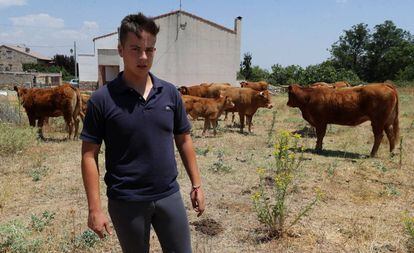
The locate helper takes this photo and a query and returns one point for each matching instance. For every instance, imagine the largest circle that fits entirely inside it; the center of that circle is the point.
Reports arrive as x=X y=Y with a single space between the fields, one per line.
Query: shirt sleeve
x=181 y=123
x=93 y=125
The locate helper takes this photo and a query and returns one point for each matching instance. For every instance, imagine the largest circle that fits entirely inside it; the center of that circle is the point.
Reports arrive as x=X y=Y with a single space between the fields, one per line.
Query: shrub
x=38 y=224
x=270 y=202
x=15 y=139
x=9 y=113
x=87 y=239
x=15 y=237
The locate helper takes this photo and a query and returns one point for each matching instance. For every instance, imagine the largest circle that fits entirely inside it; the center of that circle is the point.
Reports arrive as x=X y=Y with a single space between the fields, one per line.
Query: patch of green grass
x=88 y=239
x=14 y=139
x=202 y=151
x=39 y=223
x=17 y=238
x=219 y=165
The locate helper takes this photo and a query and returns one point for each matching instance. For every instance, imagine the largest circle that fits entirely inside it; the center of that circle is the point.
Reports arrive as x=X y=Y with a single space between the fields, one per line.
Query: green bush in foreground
x=15 y=139
x=270 y=201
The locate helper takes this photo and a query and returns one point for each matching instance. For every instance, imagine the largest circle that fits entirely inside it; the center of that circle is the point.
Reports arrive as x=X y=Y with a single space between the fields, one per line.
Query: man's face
x=138 y=53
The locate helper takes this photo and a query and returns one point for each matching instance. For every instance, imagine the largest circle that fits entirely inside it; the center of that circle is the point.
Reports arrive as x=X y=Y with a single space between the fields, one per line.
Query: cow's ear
x=16 y=88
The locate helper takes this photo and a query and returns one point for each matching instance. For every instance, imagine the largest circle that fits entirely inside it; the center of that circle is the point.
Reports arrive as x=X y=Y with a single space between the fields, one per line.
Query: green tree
x=378 y=56
x=350 y=51
x=246 y=67
x=259 y=74
x=390 y=51
x=66 y=62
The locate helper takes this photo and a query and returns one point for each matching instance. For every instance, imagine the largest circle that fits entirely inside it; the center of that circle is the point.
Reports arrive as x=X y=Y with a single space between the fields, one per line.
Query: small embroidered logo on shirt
x=168 y=108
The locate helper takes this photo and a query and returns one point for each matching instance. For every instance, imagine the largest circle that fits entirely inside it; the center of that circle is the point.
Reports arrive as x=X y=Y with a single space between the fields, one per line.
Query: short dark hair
x=136 y=23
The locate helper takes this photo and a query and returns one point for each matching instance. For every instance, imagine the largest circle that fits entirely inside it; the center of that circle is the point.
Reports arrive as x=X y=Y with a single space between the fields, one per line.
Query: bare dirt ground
x=361 y=209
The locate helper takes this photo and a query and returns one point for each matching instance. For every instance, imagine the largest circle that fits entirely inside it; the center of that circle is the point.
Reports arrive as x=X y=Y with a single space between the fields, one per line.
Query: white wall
x=111 y=72
x=88 y=68
x=198 y=53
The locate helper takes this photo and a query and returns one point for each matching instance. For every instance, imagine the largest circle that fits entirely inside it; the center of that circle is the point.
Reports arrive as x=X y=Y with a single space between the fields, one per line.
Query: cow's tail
x=396 y=124
x=78 y=106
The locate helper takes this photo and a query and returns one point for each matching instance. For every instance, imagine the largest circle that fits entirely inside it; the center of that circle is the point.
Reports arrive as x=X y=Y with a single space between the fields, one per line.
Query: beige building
x=190 y=50
x=12 y=58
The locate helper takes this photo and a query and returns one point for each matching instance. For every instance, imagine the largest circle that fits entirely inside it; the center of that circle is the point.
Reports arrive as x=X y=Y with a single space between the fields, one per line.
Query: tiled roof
x=30 y=53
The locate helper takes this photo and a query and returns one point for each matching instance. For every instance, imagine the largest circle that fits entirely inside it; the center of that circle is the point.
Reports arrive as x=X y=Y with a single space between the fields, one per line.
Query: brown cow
x=352 y=106
x=205 y=90
x=208 y=108
x=39 y=104
x=335 y=85
x=247 y=101
x=259 y=86
x=85 y=98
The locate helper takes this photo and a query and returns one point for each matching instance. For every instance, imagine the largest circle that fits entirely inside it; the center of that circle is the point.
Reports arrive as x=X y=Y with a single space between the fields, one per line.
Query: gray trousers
x=168 y=217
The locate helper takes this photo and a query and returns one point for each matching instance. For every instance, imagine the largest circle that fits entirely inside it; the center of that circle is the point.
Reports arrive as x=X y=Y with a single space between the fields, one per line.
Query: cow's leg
x=391 y=138
x=249 y=122
x=32 y=121
x=232 y=117
x=225 y=115
x=76 y=122
x=241 y=116
x=320 y=133
x=69 y=124
x=75 y=135
x=214 y=123
x=206 y=124
x=378 y=134
x=40 y=123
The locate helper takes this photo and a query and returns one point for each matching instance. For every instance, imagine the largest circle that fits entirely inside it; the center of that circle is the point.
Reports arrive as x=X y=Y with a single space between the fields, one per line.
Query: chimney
x=237 y=25
x=27 y=50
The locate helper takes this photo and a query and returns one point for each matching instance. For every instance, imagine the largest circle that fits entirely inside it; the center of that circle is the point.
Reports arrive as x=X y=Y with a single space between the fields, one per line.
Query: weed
x=38 y=224
x=15 y=139
x=331 y=169
x=87 y=239
x=202 y=151
x=219 y=165
x=15 y=237
x=380 y=166
x=270 y=204
x=409 y=229
x=271 y=129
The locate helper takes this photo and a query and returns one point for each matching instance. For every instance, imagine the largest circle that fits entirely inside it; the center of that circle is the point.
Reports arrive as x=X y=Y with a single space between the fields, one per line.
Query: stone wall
x=11 y=60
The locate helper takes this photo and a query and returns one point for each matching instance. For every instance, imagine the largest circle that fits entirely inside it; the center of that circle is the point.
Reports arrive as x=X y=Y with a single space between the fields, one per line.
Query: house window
x=1 y=67
x=10 y=67
x=9 y=54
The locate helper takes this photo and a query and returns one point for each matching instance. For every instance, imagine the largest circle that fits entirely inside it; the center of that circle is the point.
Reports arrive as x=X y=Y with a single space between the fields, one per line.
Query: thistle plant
x=270 y=202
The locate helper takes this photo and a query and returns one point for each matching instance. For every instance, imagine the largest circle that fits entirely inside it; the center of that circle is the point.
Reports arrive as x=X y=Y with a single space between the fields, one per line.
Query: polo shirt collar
x=121 y=86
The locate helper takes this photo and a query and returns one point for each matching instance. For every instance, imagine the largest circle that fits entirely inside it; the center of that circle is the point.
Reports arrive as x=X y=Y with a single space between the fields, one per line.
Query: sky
x=282 y=32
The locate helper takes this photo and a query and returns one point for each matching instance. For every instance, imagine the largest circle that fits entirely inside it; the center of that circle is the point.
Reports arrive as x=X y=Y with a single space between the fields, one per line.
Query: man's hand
x=99 y=223
x=197 y=200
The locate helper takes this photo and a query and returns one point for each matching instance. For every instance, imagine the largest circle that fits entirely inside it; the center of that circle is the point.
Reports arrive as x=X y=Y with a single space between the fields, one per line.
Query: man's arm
x=97 y=220
x=184 y=145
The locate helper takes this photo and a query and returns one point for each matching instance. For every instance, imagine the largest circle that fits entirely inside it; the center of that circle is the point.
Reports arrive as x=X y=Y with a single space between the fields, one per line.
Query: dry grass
x=361 y=210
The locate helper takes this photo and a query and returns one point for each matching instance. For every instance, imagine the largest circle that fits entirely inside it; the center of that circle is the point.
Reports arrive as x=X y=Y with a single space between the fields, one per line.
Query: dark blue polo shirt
x=139 y=138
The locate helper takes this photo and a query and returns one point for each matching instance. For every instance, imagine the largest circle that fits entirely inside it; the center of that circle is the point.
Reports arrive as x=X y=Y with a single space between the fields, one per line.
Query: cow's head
x=228 y=103
x=264 y=99
x=21 y=93
x=293 y=100
x=184 y=90
x=243 y=84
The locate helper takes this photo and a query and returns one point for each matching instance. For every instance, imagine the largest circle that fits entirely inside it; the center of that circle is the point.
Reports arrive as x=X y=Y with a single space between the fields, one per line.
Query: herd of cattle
x=320 y=104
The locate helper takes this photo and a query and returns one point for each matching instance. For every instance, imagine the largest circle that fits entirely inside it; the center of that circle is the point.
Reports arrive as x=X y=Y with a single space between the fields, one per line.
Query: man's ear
x=120 y=50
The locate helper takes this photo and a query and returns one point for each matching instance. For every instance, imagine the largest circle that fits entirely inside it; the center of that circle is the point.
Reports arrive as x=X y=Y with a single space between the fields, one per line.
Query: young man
x=138 y=115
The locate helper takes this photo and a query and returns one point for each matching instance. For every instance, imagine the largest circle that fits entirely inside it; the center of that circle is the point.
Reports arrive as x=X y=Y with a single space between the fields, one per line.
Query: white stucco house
x=190 y=50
